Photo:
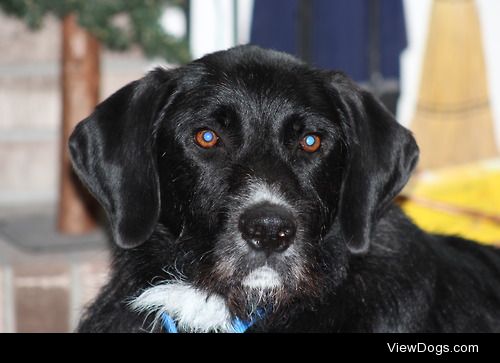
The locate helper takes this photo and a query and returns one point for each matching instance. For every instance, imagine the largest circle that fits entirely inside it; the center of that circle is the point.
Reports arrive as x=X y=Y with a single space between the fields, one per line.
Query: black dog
x=247 y=190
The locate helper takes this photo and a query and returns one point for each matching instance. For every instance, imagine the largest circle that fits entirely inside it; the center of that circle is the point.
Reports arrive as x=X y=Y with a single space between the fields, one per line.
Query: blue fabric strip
x=169 y=323
x=238 y=325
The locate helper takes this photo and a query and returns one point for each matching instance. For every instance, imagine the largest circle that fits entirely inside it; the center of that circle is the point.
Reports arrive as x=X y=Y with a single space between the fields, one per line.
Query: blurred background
x=434 y=63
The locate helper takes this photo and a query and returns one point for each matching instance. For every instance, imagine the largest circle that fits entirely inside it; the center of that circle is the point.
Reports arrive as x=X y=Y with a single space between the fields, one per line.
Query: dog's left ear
x=113 y=153
x=382 y=156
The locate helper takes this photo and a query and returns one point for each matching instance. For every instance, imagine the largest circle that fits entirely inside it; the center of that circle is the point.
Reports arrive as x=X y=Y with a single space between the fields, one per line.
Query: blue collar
x=238 y=325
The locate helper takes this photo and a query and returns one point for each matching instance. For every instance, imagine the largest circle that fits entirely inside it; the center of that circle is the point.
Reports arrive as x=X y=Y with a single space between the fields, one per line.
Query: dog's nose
x=268 y=227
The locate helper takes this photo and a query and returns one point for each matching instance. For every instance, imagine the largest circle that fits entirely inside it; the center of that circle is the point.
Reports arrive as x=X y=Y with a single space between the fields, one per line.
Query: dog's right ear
x=113 y=153
x=382 y=155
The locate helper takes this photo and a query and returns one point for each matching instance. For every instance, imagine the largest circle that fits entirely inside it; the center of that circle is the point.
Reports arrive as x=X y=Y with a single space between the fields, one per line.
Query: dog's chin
x=266 y=288
x=263 y=288
x=262 y=279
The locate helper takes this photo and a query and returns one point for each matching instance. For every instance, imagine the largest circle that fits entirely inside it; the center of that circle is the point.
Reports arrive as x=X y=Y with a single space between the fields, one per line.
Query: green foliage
x=100 y=17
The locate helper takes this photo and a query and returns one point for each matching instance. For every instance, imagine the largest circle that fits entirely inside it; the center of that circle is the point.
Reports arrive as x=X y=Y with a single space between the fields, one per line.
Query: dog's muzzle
x=267 y=228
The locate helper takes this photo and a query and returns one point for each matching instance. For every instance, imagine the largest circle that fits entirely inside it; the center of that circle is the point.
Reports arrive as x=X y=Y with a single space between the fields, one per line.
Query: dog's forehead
x=263 y=80
x=261 y=90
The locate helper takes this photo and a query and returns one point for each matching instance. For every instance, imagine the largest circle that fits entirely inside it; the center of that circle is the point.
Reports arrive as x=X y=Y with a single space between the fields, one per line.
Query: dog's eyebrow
x=309 y=119
x=225 y=115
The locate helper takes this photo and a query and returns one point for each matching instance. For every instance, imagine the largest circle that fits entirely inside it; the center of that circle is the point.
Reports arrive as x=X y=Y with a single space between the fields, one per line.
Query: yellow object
x=461 y=200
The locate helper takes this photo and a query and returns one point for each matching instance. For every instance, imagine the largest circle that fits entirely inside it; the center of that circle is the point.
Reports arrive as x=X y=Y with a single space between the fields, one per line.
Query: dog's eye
x=310 y=143
x=206 y=138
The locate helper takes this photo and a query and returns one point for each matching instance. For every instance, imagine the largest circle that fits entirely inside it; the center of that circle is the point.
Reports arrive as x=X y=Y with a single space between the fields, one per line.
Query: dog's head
x=267 y=173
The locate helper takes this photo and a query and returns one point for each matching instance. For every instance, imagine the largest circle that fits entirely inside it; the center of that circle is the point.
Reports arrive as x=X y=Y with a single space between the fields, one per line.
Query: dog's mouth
x=251 y=280
x=239 y=265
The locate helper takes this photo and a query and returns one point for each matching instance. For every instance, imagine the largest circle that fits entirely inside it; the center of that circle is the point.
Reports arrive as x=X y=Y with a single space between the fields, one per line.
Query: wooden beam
x=80 y=78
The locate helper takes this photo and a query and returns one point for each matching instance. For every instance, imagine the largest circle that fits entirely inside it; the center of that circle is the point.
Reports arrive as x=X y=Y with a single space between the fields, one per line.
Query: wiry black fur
x=169 y=202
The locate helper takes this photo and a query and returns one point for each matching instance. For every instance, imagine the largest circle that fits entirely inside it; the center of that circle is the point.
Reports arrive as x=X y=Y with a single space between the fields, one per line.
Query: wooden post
x=80 y=93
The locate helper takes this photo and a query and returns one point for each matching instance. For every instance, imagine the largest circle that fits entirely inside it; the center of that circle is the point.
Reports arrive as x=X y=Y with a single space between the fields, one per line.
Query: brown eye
x=310 y=143
x=206 y=138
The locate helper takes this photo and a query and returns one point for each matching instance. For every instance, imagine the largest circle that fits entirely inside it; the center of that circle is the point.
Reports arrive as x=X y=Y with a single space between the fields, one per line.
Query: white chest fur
x=192 y=309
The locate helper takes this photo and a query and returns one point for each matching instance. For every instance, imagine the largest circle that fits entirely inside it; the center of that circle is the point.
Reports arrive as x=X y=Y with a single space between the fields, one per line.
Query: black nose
x=268 y=227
